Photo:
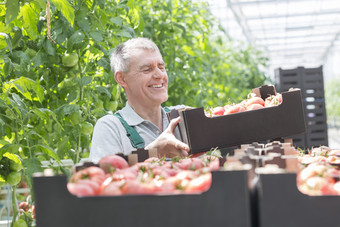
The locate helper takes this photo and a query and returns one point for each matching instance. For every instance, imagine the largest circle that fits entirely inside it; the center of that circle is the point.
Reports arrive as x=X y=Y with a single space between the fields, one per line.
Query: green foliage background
x=332 y=95
x=49 y=105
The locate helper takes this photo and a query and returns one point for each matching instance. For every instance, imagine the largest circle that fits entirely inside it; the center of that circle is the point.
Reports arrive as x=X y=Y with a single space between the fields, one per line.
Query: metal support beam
x=271 y=16
x=329 y=48
x=242 y=23
x=245 y=3
x=292 y=36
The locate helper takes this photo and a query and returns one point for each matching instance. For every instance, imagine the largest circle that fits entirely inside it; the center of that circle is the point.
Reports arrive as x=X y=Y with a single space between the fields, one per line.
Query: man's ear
x=120 y=79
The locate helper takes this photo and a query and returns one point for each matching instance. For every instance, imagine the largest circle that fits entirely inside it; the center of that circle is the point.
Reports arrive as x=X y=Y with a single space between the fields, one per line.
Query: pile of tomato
x=115 y=177
x=320 y=174
x=253 y=102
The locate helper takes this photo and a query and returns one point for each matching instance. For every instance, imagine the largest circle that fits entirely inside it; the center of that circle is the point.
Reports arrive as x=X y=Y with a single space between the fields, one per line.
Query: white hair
x=120 y=57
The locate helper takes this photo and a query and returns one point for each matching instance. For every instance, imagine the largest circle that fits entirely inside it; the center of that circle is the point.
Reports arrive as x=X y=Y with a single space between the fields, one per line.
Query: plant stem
x=14 y=205
x=78 y=150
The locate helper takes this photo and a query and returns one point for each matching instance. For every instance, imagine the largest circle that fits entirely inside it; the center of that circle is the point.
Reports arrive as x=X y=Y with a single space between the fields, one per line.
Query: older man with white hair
x=139 y=69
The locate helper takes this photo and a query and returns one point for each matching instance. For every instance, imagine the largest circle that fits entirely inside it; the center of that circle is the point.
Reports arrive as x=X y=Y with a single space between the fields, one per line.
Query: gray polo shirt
x=109 y=135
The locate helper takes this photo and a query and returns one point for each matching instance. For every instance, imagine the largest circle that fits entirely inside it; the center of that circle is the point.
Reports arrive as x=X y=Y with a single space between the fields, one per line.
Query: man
x=139 y=69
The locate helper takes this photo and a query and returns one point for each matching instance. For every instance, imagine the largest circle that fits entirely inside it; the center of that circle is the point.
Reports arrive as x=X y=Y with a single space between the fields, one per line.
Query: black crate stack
x=310 y=81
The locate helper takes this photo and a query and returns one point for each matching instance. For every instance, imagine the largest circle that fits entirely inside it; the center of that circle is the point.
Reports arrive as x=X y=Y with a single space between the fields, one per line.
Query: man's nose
x=158 y=73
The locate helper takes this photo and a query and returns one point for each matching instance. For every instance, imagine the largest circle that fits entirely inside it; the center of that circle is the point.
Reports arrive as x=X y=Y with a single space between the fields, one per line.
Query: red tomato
x=93 y=173
x=273 y=100
x=93 y=184
x=218 y=111
x=190 y=164
x=125 y=174
x=152 y=160
x=169 y=185
x=112 y=162
x=186 y=174
x=80 y=189
x=160 y=171
x=328 y=189
x=24 y=206
x=336 y=187
x=110 y=187
x=199 y=184
x=254 y=106
x=254 y=100
x=137 y=187
x=212 y=161
x=234 y=109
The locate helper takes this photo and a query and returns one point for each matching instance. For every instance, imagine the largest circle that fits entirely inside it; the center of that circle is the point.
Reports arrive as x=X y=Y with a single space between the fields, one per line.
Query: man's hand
x=167 y=145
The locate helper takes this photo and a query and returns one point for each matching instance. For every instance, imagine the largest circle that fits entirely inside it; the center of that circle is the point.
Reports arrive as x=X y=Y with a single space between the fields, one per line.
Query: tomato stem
x=14 y=205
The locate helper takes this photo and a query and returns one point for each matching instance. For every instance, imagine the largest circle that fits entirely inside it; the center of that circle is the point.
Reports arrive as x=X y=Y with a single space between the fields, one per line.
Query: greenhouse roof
x=291 y=32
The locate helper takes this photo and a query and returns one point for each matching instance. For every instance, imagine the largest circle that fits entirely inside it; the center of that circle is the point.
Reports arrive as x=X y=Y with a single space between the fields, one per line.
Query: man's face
x=146 y=80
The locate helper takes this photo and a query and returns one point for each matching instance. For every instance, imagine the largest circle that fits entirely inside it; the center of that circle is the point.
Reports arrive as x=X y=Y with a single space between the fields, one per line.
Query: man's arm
x=106 y=138
x=166 y=145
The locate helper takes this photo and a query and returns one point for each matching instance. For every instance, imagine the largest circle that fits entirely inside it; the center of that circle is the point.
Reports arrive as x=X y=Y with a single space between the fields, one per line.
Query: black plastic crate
x=313 y=92
x=299 y=141
x=202 y=133
x=288 y=78
x=281 y=204
x=316 y=129
x=317 y=139
x=226 y=203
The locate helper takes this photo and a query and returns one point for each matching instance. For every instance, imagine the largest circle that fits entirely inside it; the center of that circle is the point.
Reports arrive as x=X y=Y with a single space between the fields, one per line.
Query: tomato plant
x=70 y=60
x=20 y=223
x=86 y=128
x=13 y=178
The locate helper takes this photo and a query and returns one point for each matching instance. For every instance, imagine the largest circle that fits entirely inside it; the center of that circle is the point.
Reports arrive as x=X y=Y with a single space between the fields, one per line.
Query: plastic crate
x=281 y=204
x=226 y=203
x=310 y=81
x=202 y=133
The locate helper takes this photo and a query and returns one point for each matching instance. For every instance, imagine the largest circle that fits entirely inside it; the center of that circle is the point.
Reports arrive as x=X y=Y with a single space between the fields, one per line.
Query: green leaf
x=12 y=148
x=2 y=179
x=100 y=47
x=123 y=33
x=49 y=47
x=103 y=90
x=12 y=157
x=76 y=38
x=8 y=41
x=17 y=36
x=85 y=80
x=66 y=9
x=84 y=24
x=69 y=108
x=42 y=3
x=97 y=36
x=104 y=63
x=47 y=150
x=8 y=67
x=21 y=105
x=12 y=10
x=117 y=21
x=32 y=165
x=30 y=20
x=39 y=59
x=24 y=85
x=101 y=3
x=42 y=113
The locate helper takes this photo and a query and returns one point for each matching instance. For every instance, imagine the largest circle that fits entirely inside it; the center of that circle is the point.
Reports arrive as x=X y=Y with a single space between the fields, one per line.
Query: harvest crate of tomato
x=265 y=115
x=184 y=192
x=308 y=197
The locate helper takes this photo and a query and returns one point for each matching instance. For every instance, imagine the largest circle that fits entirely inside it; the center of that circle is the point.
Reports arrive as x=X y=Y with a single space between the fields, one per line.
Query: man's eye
x=147 y=70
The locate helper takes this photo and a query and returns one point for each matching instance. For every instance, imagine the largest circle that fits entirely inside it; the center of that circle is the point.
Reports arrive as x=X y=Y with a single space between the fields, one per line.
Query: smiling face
x=146 y=82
